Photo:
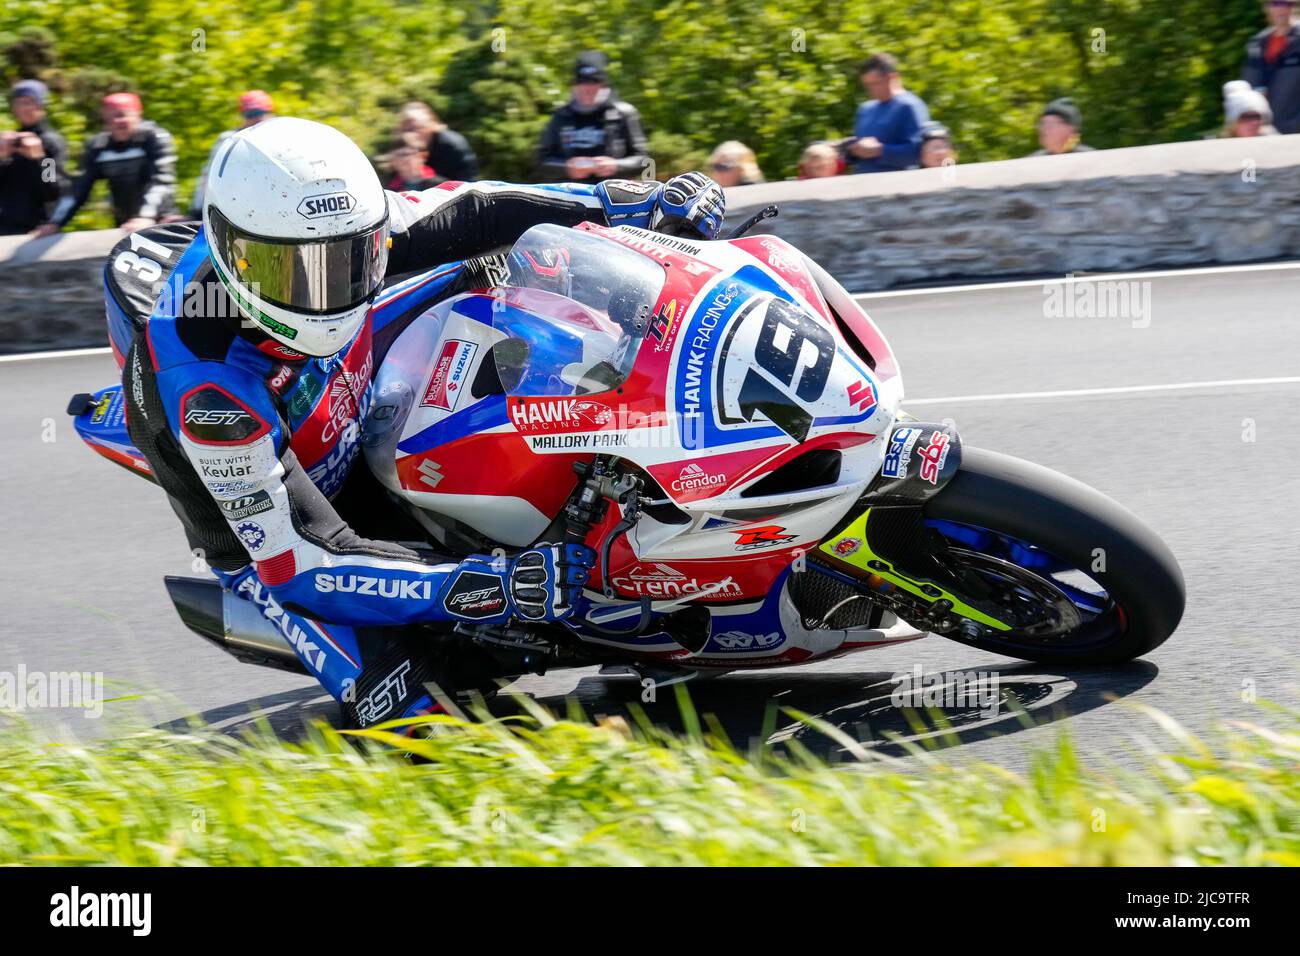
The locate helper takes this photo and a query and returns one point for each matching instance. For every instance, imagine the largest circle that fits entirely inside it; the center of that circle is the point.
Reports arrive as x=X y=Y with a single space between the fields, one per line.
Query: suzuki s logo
x=332 y=204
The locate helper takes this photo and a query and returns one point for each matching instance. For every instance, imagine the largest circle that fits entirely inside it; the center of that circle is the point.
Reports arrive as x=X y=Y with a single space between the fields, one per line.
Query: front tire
x=1017 y=500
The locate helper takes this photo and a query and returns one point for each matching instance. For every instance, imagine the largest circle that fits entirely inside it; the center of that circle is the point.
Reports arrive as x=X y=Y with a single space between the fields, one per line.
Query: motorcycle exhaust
x=235 y=626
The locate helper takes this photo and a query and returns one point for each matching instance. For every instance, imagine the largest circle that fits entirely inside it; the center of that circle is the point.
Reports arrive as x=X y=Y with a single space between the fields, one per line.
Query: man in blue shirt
x=888 y=126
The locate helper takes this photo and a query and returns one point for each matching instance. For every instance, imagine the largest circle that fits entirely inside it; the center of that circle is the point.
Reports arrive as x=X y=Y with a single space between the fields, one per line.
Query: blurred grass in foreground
x=542 y=790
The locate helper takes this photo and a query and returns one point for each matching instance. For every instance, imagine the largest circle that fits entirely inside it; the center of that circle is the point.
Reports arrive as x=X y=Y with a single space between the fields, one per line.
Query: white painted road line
x=1119 y=390
x=937 y=290
x=1080 y=279
x=57 y=354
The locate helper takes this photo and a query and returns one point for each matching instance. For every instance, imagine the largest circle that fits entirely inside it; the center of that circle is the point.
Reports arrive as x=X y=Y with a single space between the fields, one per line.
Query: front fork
x=884 y=543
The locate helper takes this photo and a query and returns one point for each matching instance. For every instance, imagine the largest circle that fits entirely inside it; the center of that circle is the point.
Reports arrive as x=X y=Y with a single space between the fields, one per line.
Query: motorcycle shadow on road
x=890 y=713
x=885 y=712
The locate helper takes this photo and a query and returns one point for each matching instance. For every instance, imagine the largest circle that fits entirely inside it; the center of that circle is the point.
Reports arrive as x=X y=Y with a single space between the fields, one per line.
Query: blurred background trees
x=773 y=75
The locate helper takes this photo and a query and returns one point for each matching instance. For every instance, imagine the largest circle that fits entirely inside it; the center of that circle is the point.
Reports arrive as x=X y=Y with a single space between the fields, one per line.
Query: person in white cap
x=1245 y=111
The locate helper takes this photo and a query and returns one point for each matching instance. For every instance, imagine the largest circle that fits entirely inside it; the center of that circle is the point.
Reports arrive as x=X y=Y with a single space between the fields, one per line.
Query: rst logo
x=330 y=204
x=215 y=416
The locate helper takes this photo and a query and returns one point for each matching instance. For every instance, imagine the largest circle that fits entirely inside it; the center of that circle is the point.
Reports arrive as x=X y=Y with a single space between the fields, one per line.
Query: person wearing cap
x=447 y=154
x=1060 y=126
x=33 y=162
x=936 y=146
x=1273 y=64
x=1245 y=112
x=254 y=106
x=595 y=136
x=888 y=126
x=138 y=159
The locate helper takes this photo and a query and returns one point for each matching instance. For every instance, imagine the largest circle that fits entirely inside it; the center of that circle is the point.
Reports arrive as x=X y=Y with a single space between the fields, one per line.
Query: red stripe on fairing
x=279 y=569
x=118 y=357
x=836 y=440
x=122 y=458
x=325 y=636
x=775 y=253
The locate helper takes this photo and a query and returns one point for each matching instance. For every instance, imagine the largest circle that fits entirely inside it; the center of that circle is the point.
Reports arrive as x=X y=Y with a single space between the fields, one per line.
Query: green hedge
x=775 y=76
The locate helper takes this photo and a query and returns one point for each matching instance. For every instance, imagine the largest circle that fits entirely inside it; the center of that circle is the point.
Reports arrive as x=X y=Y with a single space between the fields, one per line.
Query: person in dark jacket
x=1273 y=64
x=136 y=156
x=446 y=152
x=33 y=162
x=1060 y=128
x=595 y=136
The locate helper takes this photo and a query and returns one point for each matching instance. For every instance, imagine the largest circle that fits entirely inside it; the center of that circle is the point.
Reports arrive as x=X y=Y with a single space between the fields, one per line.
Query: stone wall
x=1179 y=204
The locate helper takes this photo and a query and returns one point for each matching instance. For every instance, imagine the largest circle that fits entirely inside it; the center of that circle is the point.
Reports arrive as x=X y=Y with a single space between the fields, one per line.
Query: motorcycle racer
x=263 y=360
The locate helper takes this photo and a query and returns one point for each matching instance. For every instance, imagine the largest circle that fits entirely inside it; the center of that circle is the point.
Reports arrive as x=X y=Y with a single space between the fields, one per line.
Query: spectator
x=1245 y=111
x=820 y=160
x=408 y=166
x=254 y=106
x=888 y=126
x=595 y=135
x=734 y=164
x=1060 y=126
x=446 y=151
x=33 y=162
x=936 y=146
x=136 y=156
x=1273 y=64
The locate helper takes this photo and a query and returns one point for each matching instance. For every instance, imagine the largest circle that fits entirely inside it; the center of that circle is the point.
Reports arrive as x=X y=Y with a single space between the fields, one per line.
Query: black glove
x=691 y=204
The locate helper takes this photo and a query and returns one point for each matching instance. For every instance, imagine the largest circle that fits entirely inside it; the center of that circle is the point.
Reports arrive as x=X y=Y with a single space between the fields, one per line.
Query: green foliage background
x=774 y=75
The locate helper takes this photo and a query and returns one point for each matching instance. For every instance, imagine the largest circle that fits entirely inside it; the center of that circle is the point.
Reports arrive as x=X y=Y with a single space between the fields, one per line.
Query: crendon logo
x=449 y=374
x=330 y=204
x=693 y=477
x=665 y=581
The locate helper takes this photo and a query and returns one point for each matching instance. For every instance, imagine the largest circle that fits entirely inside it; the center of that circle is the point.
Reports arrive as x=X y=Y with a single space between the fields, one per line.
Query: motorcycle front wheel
x=1082 y=580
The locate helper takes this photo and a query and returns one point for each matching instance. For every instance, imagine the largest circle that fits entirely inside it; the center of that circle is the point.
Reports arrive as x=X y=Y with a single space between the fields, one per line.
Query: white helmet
x=297 y=224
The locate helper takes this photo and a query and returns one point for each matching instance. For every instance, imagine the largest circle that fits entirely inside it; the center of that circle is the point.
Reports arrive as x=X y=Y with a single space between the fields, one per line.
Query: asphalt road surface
x=1211 y=465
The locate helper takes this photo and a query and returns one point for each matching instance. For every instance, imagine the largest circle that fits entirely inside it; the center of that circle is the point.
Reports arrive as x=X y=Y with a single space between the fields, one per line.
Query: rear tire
x=1071 y=521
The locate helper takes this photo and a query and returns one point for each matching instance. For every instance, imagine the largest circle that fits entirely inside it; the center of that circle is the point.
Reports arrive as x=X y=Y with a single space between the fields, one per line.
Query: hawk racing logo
x=560 y=415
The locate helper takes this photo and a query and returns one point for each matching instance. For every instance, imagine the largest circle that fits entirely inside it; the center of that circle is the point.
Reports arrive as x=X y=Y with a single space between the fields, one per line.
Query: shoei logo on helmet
x=331 y=204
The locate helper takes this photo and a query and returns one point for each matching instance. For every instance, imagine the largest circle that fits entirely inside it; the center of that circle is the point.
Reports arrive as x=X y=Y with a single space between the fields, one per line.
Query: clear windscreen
x=575 y=310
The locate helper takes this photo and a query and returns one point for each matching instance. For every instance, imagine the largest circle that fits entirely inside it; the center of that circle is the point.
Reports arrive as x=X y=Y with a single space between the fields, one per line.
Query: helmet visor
x=313 y=276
